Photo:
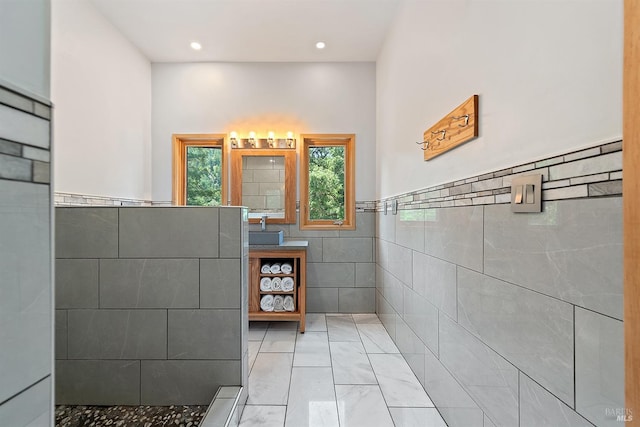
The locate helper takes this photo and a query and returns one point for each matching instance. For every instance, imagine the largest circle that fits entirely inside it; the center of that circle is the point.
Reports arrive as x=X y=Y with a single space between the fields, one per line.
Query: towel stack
x=265 y=284
x=287 y=284
x=280 y=303
x=276 y=284
x=267 y=303
x=288 y=303
x=275 y=268
x=265 y=269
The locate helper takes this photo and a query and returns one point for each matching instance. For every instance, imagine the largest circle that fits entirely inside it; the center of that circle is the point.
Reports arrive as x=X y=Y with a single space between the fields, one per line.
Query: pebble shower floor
x=129 y=416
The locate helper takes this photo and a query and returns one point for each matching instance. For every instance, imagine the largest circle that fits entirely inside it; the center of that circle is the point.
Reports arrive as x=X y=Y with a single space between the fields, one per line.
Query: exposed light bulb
x=270 y=135
x=289 y=135
x=233 y=135
x=252 y=135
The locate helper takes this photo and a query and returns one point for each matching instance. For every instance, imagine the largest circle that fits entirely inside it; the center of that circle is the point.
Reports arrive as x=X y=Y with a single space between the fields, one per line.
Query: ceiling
x=253 y=30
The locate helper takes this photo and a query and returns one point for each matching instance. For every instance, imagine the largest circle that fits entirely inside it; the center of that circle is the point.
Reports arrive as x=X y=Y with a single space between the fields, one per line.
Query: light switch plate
x=526 y=194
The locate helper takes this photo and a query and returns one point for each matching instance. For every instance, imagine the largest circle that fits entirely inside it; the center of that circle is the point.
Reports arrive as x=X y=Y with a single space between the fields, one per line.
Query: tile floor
x=343 y=371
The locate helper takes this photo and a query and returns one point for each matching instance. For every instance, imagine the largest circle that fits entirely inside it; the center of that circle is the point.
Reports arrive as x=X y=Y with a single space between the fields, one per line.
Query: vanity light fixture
x=196 y=46
x=254 y=141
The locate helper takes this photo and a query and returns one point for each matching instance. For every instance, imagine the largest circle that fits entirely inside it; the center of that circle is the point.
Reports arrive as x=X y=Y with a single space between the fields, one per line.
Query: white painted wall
x=101 y=90
x=549 y=76
x=300 y=97
x=24 y=46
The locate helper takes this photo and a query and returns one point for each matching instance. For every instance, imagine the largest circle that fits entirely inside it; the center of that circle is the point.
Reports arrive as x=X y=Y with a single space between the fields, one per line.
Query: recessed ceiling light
x=320 y=45
x=196 y=46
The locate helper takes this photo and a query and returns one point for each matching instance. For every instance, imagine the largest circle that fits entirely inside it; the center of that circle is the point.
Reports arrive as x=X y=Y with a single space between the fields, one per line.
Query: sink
x=266 y=237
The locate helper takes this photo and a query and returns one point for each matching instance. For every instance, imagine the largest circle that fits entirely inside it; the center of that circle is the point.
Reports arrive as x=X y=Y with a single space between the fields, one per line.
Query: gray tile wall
x=510 y=319
x=340 y=265
x=151 y=306
x=337 y=261
x=26 y=297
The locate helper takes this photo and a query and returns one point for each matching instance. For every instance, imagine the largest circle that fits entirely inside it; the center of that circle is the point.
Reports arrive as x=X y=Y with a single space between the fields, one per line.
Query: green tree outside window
x=326 y=183
x=204 y=176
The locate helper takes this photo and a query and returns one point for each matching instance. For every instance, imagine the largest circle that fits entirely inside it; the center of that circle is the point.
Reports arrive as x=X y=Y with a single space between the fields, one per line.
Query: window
x=327 y=188
x=199 y=170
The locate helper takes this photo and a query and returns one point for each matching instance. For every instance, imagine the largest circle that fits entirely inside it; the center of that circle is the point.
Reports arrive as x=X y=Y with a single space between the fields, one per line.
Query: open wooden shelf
x=297 y=259
x=278 y=292
x=276 y=315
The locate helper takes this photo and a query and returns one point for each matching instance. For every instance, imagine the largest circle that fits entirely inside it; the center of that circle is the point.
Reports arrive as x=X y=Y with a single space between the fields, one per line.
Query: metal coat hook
x=466 y=120
x=443 y=132
x=425 y=143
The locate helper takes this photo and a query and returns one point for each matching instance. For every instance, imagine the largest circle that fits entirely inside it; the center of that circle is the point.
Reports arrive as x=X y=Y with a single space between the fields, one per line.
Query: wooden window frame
x=344 y=140
x=179 y=175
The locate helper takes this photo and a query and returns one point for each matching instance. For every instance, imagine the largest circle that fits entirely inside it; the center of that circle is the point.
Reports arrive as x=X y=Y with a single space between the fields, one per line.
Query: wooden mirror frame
x=289 y=180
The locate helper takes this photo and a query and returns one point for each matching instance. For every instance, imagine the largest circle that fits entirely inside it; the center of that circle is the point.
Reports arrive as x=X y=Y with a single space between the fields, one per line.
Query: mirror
x=264 y=180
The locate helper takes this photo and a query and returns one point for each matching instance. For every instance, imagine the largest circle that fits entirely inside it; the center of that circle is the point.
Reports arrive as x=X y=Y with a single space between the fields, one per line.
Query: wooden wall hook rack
x=456 y=128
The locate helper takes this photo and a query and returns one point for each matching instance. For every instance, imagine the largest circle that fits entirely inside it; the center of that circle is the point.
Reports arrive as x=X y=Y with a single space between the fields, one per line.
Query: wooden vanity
x=293 y=253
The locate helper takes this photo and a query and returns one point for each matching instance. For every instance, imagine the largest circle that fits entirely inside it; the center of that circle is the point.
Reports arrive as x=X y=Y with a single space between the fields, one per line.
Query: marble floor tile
x=263 y=416
x=324 y=377
x=399 y=385
x=417 y=417
x=351 y=364
x=312 y=349
x=312 y=399
x=342 y=328
x=365 y=318
x=376 y=339
x=254 y=348
x=269 y=379
x=257 y=330
x=362 y=405
x=279 y=341
x=315 y=322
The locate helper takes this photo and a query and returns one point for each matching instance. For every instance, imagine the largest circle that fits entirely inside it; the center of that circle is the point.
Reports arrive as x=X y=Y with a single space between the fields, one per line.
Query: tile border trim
x=74 y=199
x=20 y=161
x=590 y=172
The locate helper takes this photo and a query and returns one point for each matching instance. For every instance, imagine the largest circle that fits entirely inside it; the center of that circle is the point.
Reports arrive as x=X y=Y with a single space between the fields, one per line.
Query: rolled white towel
x=288 y=303
x=276 y=284
x=287 y=284
x=275 y=268
x=278 y=303
x=265 y=284
x=265 y=269
x=266 y=303
x=286 y=268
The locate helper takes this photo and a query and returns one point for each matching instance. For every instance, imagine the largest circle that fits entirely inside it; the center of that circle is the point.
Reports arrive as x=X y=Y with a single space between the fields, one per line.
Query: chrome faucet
x=263 y=223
